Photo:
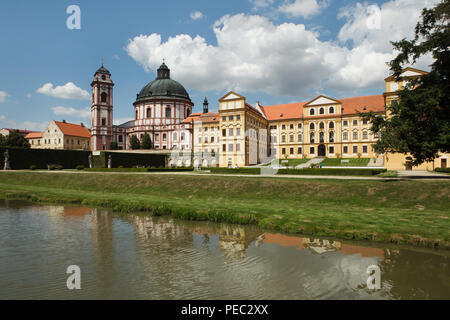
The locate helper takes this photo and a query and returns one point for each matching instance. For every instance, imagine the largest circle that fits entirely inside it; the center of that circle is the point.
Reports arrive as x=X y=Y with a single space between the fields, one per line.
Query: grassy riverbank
x=415 y=212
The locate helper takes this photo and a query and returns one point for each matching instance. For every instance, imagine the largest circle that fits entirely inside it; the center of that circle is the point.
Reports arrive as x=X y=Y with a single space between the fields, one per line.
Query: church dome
x=163 y=87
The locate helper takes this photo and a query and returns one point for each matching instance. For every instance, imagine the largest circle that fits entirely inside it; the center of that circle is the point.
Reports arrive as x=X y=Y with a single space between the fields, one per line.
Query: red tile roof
x=75 y=130
x=34 y=135
x=350 y=106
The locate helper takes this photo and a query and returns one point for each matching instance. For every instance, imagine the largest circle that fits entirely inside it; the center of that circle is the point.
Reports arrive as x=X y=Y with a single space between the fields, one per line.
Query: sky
x=271 y=51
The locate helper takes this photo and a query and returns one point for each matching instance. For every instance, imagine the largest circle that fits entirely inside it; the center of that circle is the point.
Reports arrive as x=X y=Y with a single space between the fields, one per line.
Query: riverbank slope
x=415 y=212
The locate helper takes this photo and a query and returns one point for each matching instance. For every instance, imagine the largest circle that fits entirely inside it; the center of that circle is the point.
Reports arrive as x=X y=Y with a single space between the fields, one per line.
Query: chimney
x=82 y=124
x=64 y=121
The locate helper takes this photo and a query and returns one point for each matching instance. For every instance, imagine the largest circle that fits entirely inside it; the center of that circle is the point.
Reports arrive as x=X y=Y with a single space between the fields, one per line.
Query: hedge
x=445 y=170
x=139 y=169
x=333 y=172
x=237 y=170
x=129 y=160
x=41 y=158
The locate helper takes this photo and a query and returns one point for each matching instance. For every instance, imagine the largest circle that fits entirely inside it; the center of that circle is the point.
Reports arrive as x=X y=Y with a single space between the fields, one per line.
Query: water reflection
x=141 y=257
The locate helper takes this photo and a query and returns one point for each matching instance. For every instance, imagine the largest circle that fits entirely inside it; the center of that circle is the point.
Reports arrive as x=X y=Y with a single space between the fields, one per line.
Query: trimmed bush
x=445 y=170
x=130 y=160
x=236 y=171
x=169 y=169
x=21 y=159
x=333 y=172
x=80 y=167
x=33 y=167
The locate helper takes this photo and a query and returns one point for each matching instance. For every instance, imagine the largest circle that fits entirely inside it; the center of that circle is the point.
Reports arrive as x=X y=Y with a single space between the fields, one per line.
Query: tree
x=146 y=142
x=419 y=123
x=134 y=143
x=2 y=141
x=114 y=146
x=16 y=139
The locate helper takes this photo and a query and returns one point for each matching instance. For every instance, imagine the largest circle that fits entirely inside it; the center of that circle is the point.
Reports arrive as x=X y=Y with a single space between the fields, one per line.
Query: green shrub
x=236 y=171
x=169 y=169
x=333 y=172
x=445 y=170
x=129 y=160
x=52 y=167
x=80 y=167
x=33 y=167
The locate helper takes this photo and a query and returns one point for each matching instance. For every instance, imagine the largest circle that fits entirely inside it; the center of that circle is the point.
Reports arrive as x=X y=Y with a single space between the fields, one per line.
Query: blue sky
x=267 y=50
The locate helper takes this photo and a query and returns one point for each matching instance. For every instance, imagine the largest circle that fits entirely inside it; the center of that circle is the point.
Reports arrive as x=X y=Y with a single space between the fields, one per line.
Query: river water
x=140 y=257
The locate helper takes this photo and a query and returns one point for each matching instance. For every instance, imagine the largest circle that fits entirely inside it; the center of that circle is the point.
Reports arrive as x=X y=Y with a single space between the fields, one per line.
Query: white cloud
x=261 y=3
x=25 y=125
x=68 y=91
x=29 y=95
x=84 y=113
x=3 y=96
x=303 y=8
x=116 y=57
x=255 y=55
x=195 y=15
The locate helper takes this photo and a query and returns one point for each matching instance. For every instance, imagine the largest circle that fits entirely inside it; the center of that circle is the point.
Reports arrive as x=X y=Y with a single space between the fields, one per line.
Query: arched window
x=312 y=137
x=365 y=136
x=291 y=138
x=137 y=114
x=322 y=125
x=331 y=110
x=322 y=137
x=321 y=111
x=331 y=125
x=311 y=112
x=103 y=97
x=164 y=137
x=149 y=112
x=345 y=135
x=174 y=136
x=168 y=112
x=311 y=126
x=331 y=136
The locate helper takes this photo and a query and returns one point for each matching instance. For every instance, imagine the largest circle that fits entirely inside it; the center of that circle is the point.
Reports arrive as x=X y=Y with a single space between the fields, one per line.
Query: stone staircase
x=310 y=162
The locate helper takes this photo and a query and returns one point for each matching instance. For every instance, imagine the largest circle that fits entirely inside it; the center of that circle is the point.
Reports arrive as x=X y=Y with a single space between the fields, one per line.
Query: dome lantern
x=163 y=72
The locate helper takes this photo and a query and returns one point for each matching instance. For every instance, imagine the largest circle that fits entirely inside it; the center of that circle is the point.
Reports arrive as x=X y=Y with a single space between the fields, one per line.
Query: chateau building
x=61 y=136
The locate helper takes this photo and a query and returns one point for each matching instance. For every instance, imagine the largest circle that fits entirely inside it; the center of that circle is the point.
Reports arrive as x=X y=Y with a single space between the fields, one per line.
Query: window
x=212 y=139
x=230 y=132
x=299 y=126
x=188 y=113
x=291 y=127
x=311 y=112
x=355 y=149
x=300 y=138
x=231 y=118
x=322 y=125
x=238 y=117
x=365 y=122
x=322 y=137
x=230 y=147
x=103 y=121
x=206 y=129
x=312 y=136
x=157 y=136
x=149 y=112
x=355 y=122
x=199 y=140
x=182 y=136
x=291 y=150
x=355 y=135
x=175 y=136
x=283 y=127
x=331 y=150
x=224 y=132
x=345 y=123
x=345 y=149
x=311 y=150
x=331 y=125
x=331 y=111
x=321 y=111
x=283 y=139
x=299 y=150
x=137 y=114
x=345 y=135
x=168 y=112
x=224 y=147
x=238 y=132
x=164 y=137
x=312 y=126
x=224 y=118
x=291 y=138
x=331 y=136
x=283 y=151
x=206 y=139
x=120 y=138
x=365 y=149
x=365 y=135
x=238 y=147
x=273 y=127
x=103 y=97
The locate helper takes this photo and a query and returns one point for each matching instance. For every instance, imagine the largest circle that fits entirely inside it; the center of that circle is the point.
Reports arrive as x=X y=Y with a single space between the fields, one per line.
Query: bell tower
x=102 y=110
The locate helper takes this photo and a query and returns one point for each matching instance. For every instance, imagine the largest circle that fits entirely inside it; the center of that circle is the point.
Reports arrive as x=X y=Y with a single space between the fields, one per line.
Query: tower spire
x=205 y=106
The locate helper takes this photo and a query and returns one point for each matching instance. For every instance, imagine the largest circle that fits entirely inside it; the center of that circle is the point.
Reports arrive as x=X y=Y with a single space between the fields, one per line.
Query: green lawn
x=388 y=211
x=352 y=162
x=290 y=162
